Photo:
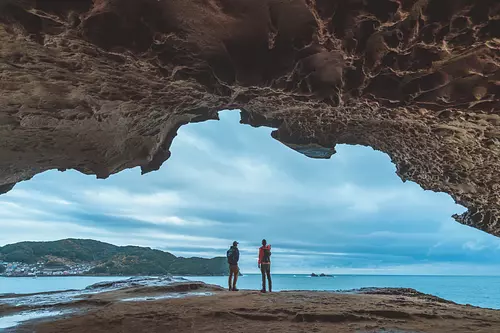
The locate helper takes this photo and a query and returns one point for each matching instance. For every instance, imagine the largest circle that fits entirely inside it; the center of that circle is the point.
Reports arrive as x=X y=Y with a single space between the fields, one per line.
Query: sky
x=226 y=181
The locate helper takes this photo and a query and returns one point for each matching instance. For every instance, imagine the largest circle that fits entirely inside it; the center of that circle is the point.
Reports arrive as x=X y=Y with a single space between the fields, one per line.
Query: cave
x=348 y=214
x=102 y=86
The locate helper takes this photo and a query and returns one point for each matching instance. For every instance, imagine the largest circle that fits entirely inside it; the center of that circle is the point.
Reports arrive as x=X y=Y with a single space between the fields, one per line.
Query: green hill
x=110 y=259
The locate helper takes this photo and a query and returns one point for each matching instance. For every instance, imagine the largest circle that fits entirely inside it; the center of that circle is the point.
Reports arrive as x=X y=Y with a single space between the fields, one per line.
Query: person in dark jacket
x=233 y=256
x=265 y=265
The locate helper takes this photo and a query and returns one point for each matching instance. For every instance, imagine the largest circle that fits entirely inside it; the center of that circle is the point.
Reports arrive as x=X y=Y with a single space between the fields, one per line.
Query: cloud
x=39 y=196
x=171 y=220
x=117 y=197
x=228 y=182
x=474 y=246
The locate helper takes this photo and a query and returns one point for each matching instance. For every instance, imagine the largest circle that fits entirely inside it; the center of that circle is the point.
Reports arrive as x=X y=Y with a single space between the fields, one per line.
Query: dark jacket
x=233 y=260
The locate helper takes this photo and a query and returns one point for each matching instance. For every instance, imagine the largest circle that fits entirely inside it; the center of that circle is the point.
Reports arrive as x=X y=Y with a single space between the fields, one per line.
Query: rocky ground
x=209 y=309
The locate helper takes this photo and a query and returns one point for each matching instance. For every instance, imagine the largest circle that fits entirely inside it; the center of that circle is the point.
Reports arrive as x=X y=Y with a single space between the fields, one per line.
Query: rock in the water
x=100 y=86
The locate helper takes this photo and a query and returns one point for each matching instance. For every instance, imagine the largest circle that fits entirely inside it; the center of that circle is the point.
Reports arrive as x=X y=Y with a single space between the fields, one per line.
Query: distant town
x=20 y=269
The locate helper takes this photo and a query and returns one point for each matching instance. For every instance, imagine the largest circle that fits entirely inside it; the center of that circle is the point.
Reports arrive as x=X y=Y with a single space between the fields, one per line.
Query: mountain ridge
x=102 y=258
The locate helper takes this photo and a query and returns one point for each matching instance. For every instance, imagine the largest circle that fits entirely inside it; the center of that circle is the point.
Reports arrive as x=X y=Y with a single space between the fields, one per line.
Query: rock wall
x=100 y=86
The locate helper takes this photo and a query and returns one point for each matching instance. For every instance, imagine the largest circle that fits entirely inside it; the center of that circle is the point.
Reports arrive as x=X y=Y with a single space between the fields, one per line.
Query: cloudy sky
x=227 y=181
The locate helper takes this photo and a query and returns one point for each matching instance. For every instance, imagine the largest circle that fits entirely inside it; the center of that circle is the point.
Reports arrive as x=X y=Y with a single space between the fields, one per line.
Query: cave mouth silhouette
x=225 y=181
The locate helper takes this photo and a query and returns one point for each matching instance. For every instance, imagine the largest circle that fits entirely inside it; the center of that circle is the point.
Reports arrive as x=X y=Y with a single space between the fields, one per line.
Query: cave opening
x=224 y=181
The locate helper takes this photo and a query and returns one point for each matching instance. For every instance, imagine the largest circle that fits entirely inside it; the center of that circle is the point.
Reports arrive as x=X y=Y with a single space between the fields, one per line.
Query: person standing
x=265 y=265
x=233 y=256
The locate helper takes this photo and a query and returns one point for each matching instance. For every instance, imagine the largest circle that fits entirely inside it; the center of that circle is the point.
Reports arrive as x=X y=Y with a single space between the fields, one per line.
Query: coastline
x=286 y=274
x=98 y=275
x=188 y=306
x=251 y=311
x=466 y=290
x=94 y=275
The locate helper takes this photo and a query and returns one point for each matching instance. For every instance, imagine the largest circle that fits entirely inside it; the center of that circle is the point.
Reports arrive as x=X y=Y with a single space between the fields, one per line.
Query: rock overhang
x=100 y=86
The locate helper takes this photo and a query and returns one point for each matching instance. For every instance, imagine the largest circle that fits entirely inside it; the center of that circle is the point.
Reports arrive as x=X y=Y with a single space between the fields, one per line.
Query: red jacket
x=261 y=253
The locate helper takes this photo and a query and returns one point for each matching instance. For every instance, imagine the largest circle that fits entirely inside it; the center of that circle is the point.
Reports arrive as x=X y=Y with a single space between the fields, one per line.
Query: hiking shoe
x=263 y=291
x=236 y=289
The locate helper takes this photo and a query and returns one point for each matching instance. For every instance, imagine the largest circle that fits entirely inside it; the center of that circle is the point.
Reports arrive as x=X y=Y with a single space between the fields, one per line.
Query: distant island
x=90 y=257
x=320 y=275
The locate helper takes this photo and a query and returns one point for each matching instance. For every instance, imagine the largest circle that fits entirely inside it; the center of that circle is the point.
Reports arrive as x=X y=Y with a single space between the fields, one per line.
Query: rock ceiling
x=100 y=86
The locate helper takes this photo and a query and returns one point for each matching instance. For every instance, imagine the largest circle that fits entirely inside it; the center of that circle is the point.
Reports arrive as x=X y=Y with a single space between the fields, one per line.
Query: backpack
x=267 y=255
x=231 y=256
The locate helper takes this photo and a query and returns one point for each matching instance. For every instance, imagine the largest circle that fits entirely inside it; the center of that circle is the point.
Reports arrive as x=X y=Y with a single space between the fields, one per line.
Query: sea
x=483 y=291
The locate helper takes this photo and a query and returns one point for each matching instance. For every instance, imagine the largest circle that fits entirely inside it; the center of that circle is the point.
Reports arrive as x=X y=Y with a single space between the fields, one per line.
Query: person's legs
x=236 y=272
x=263 y=272
x=230 y=277
x=268 y=273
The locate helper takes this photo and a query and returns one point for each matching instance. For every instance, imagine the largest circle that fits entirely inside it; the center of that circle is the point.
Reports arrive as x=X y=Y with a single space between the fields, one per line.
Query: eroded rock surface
x=103 y=85
x=393 y=311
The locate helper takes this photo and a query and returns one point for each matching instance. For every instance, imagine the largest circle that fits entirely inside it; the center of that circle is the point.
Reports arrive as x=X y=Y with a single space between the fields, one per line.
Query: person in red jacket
x=265 y=265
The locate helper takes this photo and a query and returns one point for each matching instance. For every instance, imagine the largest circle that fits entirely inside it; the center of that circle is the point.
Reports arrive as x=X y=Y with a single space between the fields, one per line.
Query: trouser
x=265 y=269
x=233 y=276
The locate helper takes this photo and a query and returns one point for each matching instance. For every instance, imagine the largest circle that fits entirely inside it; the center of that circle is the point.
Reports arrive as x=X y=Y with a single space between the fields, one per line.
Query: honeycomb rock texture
x=100 y=86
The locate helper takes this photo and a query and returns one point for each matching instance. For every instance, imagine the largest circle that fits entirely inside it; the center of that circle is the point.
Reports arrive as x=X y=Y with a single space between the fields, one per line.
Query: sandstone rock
x=100 y=86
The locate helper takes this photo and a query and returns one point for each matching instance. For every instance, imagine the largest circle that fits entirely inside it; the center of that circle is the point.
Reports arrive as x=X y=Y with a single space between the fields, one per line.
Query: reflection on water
x=47 y=299
x=167 y=296
x=65 y=297
x=14 y=320
x=53 y=299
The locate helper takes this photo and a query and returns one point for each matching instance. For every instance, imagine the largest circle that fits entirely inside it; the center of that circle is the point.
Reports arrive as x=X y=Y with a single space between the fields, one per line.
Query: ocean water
x=28 y=285
x=483 y=291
